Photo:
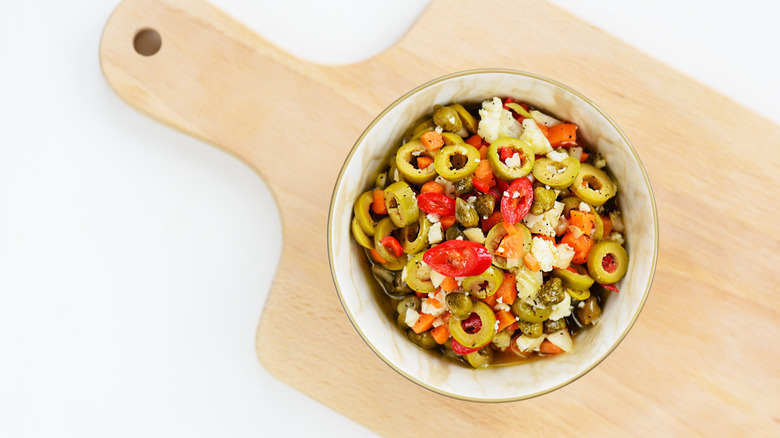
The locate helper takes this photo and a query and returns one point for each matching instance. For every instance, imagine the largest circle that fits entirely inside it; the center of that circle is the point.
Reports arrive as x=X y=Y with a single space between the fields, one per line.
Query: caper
x=531 y=329
x=410 y=302
x=447 y=118
x=459 y=304
x=485 y=204
x=465 y=213
x=423 y=340
x=552 y=326
x=529 y=313
x=480 y=358
x=464 y=186
x=454 y=232
x=544 y=199
x=551 y=292
x=589 y=312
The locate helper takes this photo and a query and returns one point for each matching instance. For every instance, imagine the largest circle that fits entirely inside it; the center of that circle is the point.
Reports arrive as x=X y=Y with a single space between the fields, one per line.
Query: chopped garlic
x=433 y=218
x=616 y=237
x=565 y=255
x=543 y=119
x=503 y=306
x=437 y=278
x=545 y=223
x=545 y=252
x=584 y=207
x=411 y=317
x=435 y=233
x=449 y=187
x=514 y=161
x=557 y=155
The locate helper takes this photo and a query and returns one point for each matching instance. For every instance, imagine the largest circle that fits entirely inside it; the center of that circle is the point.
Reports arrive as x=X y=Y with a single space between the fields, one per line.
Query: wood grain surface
x=704 y=356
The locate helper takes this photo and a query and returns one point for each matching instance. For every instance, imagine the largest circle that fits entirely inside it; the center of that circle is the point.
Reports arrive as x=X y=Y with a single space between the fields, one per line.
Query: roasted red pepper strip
x=436 y=203
x=458 y=258
x=611 y=287
x=393 y=245
x=460 y=349
x=480 y=185
x=515 y=207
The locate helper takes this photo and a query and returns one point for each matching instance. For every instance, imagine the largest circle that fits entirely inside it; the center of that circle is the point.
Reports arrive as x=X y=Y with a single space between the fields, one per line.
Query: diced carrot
x=475 y=140
x=449 y=284
x=423 y=323
x=510 y=229
x=513 y=327
x=581 y=246
x=447 y=221
x=548 y=347
x=421 y=295
x=607 y=225
x=505 y=318
x=485 y=173
x=490 y=222
x=378 y=206
x=432 y=140
x=545 y=237
x=562 y=135
x=584 y=157
x=377 y=258
x=511 y=247
x=431 y=187
x=531 y=262
x=543 y=128
x=491 y=300
x=423 y=162
x=508 y=289
x=441 y=333
x=583 y=221
x=483 y=152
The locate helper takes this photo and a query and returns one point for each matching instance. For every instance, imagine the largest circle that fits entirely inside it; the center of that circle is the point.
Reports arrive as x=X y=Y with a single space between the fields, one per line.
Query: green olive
x=481 y=358
x=607 y=262
x=360 y=236
x=484 y=284
x=551 y=292
x=447 y=117
x=383 y=229
x=593 y=185
x=380 y=182
x=423 y=340
x=414 y=237
x=480 y=338
x=579 y=280
x=406 y=155
x=485 y=205
x=418 y=128
x=556 y=174
x=451 y=138
x=589 y=312
x=457 y=161
x=469 y=122
x=579 y=295
x=494 y=237
x=531 y=329
x=527 y=313
x=598 y=226
x=464 y=186
x=465 y=213
x=516 y=107
x=454 y=232
x=458 y=304
x=418 y=275
x=552 y=326
x=501 y=169
x=502 y=340
x=401 y=204
x=570 y=203
x=410 y=302
x=544 y=199
x=362 y=211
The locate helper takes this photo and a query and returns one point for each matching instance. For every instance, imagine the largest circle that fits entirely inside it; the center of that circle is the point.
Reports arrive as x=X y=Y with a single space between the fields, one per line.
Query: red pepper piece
x=458 y=348
x=436 y=203
x=609 y=263
x=504 y=153
x=515 y=207
x=458 y=258
x=611 y=287
x=480 y=185
x=472 y=324
x=392 y=245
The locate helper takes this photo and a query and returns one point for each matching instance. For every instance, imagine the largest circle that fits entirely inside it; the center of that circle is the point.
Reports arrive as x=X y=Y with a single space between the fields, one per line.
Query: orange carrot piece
x=531 y=262
x=545 y=237
x=483 y=152
x=505 y=318
x=543 y=128
x=449 y=284
x=513 y=327
x=378 y=206
x=490 y=222
x=432 y=140
x=423 y=162
x=423 y=323
x=447 y=221
x=377 y=258
x=511 y=247
x=475 y=140
x=491 y=300
x=441 y=333
x=584 y=157
x=548 y=347
x=510 y=229
x=581 y=246
x=562 y=135
x=485 y=173
x=607 y=225
x=508 y=289
x=583 y=221
x=431 y=187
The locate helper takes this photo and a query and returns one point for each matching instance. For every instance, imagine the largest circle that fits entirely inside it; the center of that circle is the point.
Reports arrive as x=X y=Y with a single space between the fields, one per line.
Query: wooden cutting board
x=703 y=358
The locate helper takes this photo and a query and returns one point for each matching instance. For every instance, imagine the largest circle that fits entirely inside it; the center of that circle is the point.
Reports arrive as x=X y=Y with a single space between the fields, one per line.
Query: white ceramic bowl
x=348 y=265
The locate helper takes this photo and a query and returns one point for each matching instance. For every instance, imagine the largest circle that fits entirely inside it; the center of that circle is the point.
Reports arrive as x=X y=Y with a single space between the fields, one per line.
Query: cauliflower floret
x=496 y=122
x=527 y=344
x=411 y=316
x=474 y=234
x=543 y=119
x=546 y=222
x=534 y=136
x=528 y=282
x=565 y=255
x=562 y=309
x=545 y=252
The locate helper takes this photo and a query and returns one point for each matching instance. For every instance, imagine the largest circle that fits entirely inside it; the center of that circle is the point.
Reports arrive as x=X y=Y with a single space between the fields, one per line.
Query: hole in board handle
x=147 y=42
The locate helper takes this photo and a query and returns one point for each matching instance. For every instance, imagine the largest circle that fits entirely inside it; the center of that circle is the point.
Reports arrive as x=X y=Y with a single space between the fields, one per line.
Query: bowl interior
x=510 y=382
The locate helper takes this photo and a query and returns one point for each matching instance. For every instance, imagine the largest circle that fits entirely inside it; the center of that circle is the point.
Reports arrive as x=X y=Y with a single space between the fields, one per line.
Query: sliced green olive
x=484 y=284
x=556 y=174
x=451 y=138
x=510 y=173
x=410 y=302
x=579 y=295
x=447 y=117
x=360 y=236
x=544 y=199
x=418 y=275
x=579 y=280
x=516 y=107
x=423 y=340
x=465 y=213
x=383 y=229
x=570 y=203
x=362 y=211
x=401 y=204
x=414 y=237
x=481 y=337
x=418 y=128
x=607 y=262
x=456 y=161
x=406 y=155
x=598 y=226
x=481 y=358
x=593 y=185
x=497 y=234
x=469 y=122
x=459 y=304
x=528 y=313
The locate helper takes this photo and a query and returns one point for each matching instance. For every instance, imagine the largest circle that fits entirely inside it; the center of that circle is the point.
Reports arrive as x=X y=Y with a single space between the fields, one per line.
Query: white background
x=134 y=261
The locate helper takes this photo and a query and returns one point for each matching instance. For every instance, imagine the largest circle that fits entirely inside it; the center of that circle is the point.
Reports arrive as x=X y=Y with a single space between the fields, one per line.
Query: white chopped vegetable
x=433 y=218
x=435 y=234
x=528 y=282
x=565 y=255
x=576 y=152
x=449 y=188
x=557 y=155
x=527 y=344
x=430 y=308
x=584 y=207
x=545 y=223
x=543 y=119
x=513 y=161
x=534 y=136
x=617 y=222
x=411 y=317
x=437 y=278
x=600 y=161
x=615 y=237
x=545 y=252
x=561 y=339
x=474 y=234
x=562 y=309
x=403 y=274
x=496 y=122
